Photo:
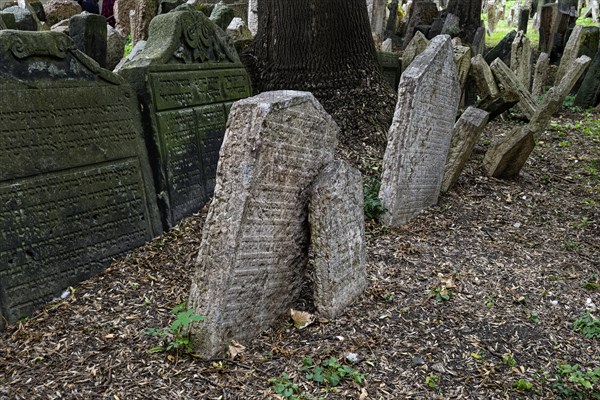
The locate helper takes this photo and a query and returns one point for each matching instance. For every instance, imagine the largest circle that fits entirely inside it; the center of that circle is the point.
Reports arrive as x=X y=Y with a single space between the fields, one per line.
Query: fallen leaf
x=302 y=319
x=235 y=348
x=363 y=394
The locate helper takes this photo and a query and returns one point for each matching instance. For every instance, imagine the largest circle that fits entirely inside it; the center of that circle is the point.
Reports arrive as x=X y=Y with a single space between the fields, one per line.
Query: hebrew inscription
x=254 y=247
x=186 y=78
x=75 y=185
x=420 y=135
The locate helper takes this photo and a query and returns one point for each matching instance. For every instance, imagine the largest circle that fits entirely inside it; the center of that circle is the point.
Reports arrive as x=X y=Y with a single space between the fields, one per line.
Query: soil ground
x=518 y=260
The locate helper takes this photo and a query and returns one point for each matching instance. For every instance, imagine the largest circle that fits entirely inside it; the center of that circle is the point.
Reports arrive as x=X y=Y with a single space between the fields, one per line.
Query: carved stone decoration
x=187 y=77
x=75 y=184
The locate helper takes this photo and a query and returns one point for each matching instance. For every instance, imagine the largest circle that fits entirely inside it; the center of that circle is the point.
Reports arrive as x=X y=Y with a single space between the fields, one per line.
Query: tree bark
x=469 y=12
x=325 y=47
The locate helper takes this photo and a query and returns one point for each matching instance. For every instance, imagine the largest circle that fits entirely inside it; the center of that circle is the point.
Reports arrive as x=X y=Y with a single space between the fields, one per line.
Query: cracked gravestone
x=419 y=138
x=74 y=184
x=337 y=236
x=187 y=77
x=254 y=249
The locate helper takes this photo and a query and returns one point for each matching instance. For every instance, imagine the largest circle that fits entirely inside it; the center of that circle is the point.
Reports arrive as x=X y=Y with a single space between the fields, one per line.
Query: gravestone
x=419 y=138
x=24 y=20
x=523 y=20
x=390 y=67
x=507 y=155
x=502 y=50
x=253 y=16
x=140 y=19
x=187 y=76
x=511 y=83
x=337 y=238
x=89 y=33
x=421 y=13
x=462 y=58
x=492 y=15
x=254 y=249
x=75 y=186
x=520 y=59
x=8 y=21
x=540 y=74
x=377 y=11
x=589 y=91
x=465 y=134
x=417 y=45
x=570 y=53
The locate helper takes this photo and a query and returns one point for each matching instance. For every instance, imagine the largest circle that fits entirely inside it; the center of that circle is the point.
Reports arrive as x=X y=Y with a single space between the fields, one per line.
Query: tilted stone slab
x=75 y=186
x=589 y=92
x=540 y=74
x=507 y=155
x=337 y=238
x=187 y=76
x=462 y=58
x=520 y=59
x=510 y=83
x=465 y=134
x=254 y=248
x=570 y=53
x=416 y=46
x=484 y=79
x=420 y=134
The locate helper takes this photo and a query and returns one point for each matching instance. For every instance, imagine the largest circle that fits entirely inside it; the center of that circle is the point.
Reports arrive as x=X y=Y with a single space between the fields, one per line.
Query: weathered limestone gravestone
x=541 y=71
x=417 y=45
x=187 y=76
x=254 y=247
x=520 y=59
x=465 y=134
x=75 y=186
x=419 y=138
x=337 y=234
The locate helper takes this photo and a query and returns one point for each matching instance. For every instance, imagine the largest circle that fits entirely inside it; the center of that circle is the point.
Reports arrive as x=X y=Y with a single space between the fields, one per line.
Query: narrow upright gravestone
x=254 y=248
x=419 y=138
x=186 y=78
x=75 y=186
x=337 y=234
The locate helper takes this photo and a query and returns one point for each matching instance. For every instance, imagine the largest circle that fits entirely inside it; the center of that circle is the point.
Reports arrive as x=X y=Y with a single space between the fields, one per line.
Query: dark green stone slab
x=186 y=78
x=76 y=188
x=390 y=68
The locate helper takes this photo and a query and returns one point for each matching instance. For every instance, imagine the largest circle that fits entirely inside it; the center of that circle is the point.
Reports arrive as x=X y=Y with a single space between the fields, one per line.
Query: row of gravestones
x=95 y=164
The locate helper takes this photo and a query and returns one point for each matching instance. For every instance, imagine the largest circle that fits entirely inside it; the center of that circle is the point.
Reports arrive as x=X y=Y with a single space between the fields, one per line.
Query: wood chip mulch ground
x=475 y=294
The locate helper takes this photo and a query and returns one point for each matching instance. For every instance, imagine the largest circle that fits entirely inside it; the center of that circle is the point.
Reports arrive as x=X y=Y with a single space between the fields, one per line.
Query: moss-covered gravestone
x=187 y=78
x=75 y=186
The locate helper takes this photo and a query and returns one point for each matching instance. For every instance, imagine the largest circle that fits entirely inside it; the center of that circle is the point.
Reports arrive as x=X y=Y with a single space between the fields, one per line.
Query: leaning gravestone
x=419 y=138
x=254 y=248
x=75 y=185
x=337 y=237
x=465 y=134
x=89 y=32
x=187 y=76
x=390 y=67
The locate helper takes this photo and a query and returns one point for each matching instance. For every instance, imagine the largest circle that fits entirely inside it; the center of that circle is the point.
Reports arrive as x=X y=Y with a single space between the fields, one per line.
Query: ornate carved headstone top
x=186 y=77
x=75 y=183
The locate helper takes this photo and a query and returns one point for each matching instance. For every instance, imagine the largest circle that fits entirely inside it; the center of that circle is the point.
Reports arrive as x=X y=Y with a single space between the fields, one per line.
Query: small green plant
x=489 y=302
x=570 y=245
x=573 y=382
x=534 y=317
x=330 y=372
x=128 y=46
x=587 y=325
x=441 y=294
x=432 y=380
x=373 y=207
x=174 y=337
x=522 y=385
x=284 y=387
x=582 y=223
x=507 y=359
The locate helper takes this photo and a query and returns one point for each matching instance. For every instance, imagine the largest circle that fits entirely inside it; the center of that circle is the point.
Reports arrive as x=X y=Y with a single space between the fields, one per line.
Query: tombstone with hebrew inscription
x=420 y=134
x=254 y=249
x=186 y=78
x=75 y=185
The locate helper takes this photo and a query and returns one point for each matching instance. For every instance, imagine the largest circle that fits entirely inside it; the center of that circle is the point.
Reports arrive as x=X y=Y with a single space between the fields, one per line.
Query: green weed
x=522 y=385
x=587 y=325
x=175 y=337
x=573 y=382
x=373 y=207
x=432 y=380
x=330 y=372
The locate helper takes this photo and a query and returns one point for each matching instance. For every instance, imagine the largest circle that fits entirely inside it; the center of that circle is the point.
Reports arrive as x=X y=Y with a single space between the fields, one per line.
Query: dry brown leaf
x=302 y=319
x=235 y=349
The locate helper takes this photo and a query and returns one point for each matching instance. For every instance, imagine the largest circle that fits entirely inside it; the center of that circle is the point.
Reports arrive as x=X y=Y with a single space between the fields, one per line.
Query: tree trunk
x=469 y=12
x=325 y=47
